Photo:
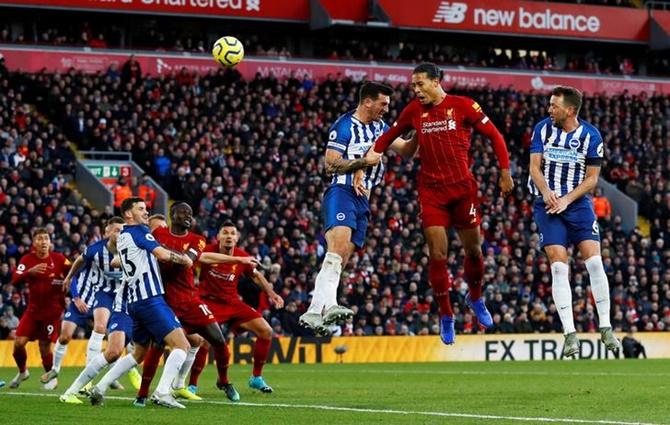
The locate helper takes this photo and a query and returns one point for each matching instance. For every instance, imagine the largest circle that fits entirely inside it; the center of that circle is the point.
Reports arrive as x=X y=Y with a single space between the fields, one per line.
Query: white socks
x=94 y=346
x=120 y=368
x=173 y=364
x=59 y=353
x=327 y=281
x=562 y=294
x=91 y=371
x=600 y=289
x=180 y=380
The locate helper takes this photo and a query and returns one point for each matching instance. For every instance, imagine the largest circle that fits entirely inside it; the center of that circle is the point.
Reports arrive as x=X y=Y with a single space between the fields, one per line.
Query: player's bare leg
x=590 y=251
x=66 y=332
x=474 y=274
x=121 y=366
x=263 y=333
x=20 y=356
x=440 y=279
x=340 y=248
x=115 y=345
x=562 y=295
x=47 y=361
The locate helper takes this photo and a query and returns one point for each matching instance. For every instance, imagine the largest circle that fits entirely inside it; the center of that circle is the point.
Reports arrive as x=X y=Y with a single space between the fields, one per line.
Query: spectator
x=120 y=191
x=602 y=206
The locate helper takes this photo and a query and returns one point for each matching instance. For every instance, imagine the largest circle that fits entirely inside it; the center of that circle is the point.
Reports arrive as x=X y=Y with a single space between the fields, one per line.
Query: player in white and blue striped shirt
x=153 y=319
x=346 y=207
x=565 y=158
x=91 y=280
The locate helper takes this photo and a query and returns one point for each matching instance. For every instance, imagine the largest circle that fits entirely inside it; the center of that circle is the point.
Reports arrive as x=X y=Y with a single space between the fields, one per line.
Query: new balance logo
x=450 y=13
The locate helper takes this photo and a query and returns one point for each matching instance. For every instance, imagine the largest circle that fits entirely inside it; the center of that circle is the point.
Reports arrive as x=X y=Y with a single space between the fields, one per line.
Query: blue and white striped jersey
x=352 y=139
x=566 y=155
x=141 y=275
x=97 y=274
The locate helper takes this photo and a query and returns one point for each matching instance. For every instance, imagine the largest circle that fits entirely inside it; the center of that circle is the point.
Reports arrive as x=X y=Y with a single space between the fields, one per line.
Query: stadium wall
x=40 y=59
x=394 y=349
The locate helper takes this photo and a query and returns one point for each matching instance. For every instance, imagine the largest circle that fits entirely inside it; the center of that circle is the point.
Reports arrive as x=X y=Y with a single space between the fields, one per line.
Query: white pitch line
x=381 y=411
x=486 y=372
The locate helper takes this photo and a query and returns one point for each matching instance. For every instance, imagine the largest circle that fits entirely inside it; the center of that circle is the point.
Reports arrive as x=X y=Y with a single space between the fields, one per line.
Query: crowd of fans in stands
x=252 y=151
x=382 y=48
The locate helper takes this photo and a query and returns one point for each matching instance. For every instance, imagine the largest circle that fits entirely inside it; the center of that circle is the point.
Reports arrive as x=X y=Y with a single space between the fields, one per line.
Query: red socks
x=151 y=360
x=261 y=351
x=222 y=356
x=198 y=364
x=20 y=356
x=440 y=281
x=474 y=274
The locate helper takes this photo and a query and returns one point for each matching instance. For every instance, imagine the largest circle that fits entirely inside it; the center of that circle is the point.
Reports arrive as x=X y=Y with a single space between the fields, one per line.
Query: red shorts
x=39 y=329
x=233 y=313
x=454 y=205
x=194 y=316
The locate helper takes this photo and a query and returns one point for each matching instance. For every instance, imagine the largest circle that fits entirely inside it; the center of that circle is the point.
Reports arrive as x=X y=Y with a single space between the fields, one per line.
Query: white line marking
x=382 y=411
x=486 y=372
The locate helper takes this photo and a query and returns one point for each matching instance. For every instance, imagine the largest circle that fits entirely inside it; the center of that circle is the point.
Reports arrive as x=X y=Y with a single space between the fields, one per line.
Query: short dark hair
x=40 y=231
x=433 y=71
x=228 y=223
x=372 y=90
x=571 y=96
x=129 y=203
x=115 y=220
x=176 y=204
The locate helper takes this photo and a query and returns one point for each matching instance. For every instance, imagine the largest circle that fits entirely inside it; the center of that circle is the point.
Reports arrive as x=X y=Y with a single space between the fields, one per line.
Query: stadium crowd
x=252 y=151
x=381 y=48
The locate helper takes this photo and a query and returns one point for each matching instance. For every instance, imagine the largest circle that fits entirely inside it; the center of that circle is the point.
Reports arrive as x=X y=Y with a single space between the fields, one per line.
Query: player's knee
x=195 y=340
x=474 y=253
x=20 y=342
x=113 y=353
x=64 y=339
x=265 y=332
x=99 y=328
x=438 y=255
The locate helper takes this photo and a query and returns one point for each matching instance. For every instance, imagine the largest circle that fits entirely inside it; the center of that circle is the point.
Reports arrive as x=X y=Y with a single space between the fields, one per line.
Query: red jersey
x=219 y=281
x=46 y=297
x=444 y=133
x=179 y=281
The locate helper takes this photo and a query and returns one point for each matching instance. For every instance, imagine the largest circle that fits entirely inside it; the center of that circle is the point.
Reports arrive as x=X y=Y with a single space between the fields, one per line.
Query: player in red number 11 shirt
x=447 y=190
x=44 y=272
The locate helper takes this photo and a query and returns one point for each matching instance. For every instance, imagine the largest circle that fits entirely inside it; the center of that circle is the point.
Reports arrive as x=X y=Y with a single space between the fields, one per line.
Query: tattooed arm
x=335 y=164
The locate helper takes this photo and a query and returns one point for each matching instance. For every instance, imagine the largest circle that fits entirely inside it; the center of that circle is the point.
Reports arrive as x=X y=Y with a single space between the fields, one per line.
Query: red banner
x=286 y=10
x=522 y=17
x=31 y=60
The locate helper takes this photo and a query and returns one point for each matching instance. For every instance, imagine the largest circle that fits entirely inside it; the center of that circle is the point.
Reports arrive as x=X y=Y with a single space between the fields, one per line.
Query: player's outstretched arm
x=536 y=175
x=590 y=182
x=260 y=280
x=488 y=129
x=78 y=264
x=169 y=256
x=218 y=258
x=406 y=148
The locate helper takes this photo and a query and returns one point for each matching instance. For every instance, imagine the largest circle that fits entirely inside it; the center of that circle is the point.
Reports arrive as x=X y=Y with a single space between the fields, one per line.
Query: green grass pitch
x=619 y=392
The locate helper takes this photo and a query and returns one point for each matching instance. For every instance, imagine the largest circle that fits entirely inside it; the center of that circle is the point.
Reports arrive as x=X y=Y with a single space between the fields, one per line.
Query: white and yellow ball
x=228 y=51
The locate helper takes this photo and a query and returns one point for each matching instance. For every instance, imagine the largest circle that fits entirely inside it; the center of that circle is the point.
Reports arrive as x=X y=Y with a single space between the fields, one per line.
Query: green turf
x=624 y=391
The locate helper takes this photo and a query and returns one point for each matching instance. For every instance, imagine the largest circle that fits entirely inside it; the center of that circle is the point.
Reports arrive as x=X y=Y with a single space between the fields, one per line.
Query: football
x=228 y=51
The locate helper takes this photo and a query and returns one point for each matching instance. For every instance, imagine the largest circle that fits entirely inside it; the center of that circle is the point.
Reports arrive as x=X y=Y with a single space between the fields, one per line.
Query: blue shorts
x=121 y=322
x=75 y=316
x=103 y=300
x=153 y=320
x=576 y=224
x=342 y=207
